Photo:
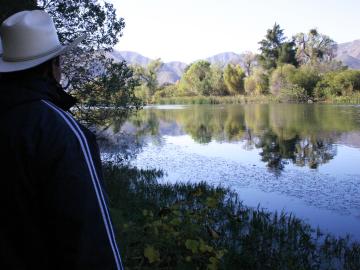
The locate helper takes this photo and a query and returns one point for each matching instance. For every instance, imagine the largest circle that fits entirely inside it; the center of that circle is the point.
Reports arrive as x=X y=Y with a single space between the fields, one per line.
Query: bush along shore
x=261 y=99
x=197 y=226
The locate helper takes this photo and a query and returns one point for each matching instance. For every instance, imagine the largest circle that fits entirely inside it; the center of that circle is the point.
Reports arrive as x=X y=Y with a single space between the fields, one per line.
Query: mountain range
x=170 y=72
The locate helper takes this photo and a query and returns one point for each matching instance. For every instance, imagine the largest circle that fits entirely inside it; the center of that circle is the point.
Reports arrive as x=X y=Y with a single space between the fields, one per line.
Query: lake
x=298 y=158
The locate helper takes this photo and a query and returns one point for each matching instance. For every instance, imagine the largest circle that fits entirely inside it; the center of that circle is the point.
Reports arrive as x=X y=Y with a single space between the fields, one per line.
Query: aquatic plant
x=197 y=226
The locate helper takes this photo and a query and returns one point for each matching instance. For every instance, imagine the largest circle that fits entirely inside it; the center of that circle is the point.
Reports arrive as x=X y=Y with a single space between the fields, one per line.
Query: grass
x=197 y=226
x=351 y=99
x=239 y=99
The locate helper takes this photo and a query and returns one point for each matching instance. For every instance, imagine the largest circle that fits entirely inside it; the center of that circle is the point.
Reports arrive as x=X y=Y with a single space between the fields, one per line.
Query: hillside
x=223 y=59
x=349 y=54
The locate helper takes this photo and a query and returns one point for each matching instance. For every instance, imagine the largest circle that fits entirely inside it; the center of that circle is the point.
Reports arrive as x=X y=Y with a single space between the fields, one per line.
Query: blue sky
x=187 y=30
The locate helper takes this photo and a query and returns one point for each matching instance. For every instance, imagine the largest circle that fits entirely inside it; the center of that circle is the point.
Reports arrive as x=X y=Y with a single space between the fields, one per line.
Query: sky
x=188 y=30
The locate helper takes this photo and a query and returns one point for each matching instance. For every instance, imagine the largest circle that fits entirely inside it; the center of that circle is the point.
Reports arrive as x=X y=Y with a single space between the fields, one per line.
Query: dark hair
x=42 y=70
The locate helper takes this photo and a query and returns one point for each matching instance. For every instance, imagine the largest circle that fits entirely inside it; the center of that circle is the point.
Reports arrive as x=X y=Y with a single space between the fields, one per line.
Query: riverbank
x=241 y=99
x=197 y=226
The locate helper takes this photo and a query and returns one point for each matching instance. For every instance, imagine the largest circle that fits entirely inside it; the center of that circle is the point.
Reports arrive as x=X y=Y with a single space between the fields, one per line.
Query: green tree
x=314 y=47
x=338 y=83
x=258 y=83
x=148 y=77
x=306 y=77
x=87 y=70
x=275 y=49
x=234 y=79
x=197 y=79
x=250 y=85
x=217 y=84
x=280 y=78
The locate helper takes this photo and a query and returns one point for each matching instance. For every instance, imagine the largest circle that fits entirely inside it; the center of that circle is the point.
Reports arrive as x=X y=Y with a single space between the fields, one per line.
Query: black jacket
x=54 y=212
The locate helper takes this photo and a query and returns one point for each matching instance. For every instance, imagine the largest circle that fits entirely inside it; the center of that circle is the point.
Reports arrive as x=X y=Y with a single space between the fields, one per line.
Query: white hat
x=29 y=38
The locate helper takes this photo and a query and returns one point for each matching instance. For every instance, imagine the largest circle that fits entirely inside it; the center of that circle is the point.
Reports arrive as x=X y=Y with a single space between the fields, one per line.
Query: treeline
x=299 y=69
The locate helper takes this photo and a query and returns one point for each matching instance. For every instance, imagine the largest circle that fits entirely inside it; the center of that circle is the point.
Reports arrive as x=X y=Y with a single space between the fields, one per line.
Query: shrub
x=250 y=85
x=280 y=78
x=338 y=83
x=293 y=93
x=257 y=84
x=305 y=77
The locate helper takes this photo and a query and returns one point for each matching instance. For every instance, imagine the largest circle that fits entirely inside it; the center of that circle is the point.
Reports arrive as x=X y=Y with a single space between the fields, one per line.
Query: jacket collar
x=14 y=93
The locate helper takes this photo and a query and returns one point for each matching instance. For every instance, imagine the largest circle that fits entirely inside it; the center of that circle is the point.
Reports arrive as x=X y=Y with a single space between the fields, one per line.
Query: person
x=53 y=205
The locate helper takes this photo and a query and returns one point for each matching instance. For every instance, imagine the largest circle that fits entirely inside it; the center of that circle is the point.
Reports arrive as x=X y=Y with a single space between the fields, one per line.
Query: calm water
x=303 y=159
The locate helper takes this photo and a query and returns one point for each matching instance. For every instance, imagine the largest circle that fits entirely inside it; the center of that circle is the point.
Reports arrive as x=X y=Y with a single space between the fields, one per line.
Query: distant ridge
x=225 y=58
x=348 y=53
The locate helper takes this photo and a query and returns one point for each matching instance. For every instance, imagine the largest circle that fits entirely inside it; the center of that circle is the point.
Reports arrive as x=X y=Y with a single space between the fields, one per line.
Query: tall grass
x=351 y=99
x=197 y=226
x=239 y=99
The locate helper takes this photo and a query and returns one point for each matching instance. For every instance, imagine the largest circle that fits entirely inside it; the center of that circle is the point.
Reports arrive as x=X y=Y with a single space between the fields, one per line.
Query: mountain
x=130 y=57
x=349 y=54
x=169 y=73
x=225 y=58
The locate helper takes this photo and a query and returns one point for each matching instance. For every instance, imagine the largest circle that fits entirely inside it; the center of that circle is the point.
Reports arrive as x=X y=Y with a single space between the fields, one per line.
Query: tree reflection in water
x=301 y=134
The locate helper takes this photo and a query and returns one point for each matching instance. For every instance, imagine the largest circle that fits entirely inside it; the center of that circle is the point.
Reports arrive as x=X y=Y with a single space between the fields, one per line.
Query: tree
x=280 y=78
x=234 y=79
x=250 y=61
x=314 y=47
x=217 y=83
x=258 y=83
x=197 y=79
x=148 y=76
x=275 y=49
x=87 y=66
x=338 y=83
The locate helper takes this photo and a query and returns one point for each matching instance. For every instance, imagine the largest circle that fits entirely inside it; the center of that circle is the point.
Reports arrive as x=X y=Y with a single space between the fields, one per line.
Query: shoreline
x=241 y=99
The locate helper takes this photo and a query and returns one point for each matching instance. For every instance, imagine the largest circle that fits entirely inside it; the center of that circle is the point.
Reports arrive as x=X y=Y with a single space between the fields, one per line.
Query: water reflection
x=303 y=135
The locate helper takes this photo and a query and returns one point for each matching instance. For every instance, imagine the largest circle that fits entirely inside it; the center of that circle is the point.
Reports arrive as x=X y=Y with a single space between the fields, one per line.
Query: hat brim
x=6 y=66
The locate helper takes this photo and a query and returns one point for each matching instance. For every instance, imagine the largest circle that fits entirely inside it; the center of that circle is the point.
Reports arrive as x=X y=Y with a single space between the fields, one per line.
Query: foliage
x=203 y=79
x=196 y=226
x=238 y=99
x=288 y=80
x=293 y=93
x=306 y=77
x=258 y=83
x=280 y=78
x=217 y=82
x=148 y=78
x=87 y=67
x=250 y=61
x=250 y=85
x=167 y=90
x=275 y=49
x=234 y=79
x=99 y=106
x=196 y=79
x=314 y=47
x=338 y=83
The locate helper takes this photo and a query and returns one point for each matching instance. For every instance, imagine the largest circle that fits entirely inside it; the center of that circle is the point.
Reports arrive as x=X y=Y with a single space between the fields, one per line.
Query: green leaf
x=151 y=254
x=211 y=202
x=192 y=245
